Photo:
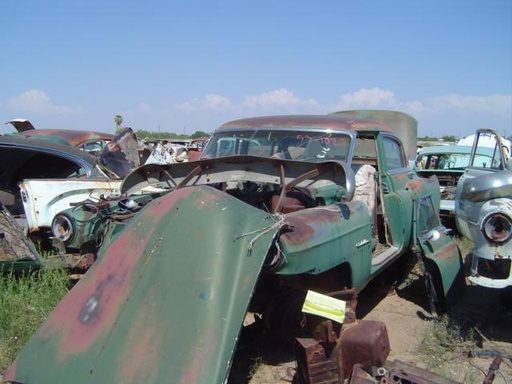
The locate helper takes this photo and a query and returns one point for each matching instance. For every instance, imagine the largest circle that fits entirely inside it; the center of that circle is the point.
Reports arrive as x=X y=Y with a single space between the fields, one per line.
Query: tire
x=506 y=298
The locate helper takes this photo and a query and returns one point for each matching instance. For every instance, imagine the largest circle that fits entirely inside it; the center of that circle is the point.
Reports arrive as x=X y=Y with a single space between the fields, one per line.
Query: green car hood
x=165 y=302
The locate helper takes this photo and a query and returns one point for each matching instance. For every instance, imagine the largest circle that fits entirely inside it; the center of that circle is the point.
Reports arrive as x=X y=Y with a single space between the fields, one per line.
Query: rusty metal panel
x=360 y=376
x=238 y=168
x=72 y=137
x=403 y=125
x=121 y=155
x=366 y=343
x=318 y=362
x=16 y=251
x=399 y=371
x=396 y=372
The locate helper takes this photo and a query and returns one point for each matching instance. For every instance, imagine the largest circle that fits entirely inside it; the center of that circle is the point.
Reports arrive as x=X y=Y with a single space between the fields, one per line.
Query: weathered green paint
x=166 y=301
x=333 y=232
x=441 y=253
x=403 y=125
x=91 y=221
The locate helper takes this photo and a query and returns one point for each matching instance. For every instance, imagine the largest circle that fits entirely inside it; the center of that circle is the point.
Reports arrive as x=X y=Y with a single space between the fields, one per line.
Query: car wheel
x=506 y=298
x=435 y=292
x=283 y=315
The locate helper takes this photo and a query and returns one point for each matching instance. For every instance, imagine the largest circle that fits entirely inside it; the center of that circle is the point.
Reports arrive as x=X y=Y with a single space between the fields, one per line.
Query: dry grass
x=444 y=349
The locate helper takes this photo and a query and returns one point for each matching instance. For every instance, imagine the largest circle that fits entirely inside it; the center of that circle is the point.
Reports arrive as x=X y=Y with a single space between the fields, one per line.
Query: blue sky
x=182 y=66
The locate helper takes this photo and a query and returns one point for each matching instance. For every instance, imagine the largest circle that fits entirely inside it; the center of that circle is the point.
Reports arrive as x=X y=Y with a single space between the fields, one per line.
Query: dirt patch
x=402 y=306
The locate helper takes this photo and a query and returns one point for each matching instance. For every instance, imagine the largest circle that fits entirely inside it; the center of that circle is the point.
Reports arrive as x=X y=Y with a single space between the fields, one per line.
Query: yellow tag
x=324 y=306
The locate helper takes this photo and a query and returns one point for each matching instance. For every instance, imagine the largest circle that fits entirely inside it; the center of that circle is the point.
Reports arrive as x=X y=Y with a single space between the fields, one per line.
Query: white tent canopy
x=486 y=141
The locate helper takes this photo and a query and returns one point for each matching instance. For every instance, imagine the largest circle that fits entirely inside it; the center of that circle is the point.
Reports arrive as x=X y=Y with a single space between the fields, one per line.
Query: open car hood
x=121 y=154
x=164 y=303
x=21 y=125
x=237 y=169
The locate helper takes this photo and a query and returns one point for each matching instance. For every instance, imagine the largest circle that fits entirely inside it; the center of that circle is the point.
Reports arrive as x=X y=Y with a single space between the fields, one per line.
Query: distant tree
x=150 y=135
x=427 y=138
x=118 y=119
x=449 y=138
x=143 y=134
x=197 y=134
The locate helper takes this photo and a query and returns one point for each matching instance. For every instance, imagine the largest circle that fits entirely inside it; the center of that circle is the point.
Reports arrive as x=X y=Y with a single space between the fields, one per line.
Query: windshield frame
x=292 y=143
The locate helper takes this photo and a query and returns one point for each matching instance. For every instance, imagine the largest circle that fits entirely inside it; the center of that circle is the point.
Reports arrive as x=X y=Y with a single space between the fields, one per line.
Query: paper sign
x=324 y=306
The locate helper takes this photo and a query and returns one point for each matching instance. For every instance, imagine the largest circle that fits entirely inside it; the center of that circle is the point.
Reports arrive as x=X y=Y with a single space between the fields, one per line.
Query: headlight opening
x=497 y=228
x=62 y=227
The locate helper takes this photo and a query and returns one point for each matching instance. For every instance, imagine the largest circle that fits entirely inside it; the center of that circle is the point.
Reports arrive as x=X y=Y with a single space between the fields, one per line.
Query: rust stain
x=139 y=359
x=415 y=185
x=95 y=302
x=333 y=122
x=203 y=351
x=208 y=200
x=448 y=251
x=305 y=225
x=73 y=137
x=10 y=373
x=163 y=205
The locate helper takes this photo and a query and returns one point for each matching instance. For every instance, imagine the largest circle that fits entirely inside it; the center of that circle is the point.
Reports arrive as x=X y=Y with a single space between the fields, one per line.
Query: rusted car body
x=447 y=163
x=78 y=232
x=89 y=141
x=196 y=148
x=22 y=159
x=483 y=212
x=32 y=169
x=48 y=178
x=240 y=230
x=42 y=186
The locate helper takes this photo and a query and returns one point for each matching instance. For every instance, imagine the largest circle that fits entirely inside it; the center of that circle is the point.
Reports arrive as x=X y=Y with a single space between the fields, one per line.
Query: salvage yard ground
x=480 y=323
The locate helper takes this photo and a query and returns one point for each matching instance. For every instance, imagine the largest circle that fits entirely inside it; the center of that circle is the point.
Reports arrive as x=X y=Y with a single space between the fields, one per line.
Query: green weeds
x=25 y=302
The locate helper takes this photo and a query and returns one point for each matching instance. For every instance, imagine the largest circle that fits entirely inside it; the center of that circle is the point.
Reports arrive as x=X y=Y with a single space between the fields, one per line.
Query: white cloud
x=36 y=101
x=497 y=104
x=368 y=98
x=185 y=106
x=144 y=107
x=209 y=102
x=464 y=112
x=377 y=98
x=216 y=102
x=278 y=98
